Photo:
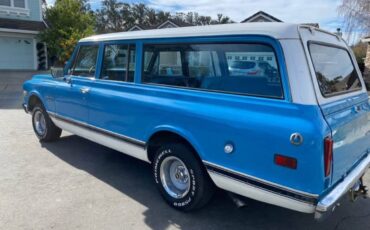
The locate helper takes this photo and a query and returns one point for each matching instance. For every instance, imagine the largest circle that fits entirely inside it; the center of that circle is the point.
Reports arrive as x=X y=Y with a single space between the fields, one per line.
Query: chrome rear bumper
x=331 y=200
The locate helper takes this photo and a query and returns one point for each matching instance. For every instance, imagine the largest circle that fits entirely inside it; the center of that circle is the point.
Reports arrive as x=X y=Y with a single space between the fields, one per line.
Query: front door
x=73 y=90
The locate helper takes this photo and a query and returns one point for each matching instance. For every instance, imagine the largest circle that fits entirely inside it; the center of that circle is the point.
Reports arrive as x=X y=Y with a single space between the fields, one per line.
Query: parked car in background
x=180 y=100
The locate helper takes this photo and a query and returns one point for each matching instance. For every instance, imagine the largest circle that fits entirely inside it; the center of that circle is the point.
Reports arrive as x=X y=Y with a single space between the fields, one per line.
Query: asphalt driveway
x=76 y=184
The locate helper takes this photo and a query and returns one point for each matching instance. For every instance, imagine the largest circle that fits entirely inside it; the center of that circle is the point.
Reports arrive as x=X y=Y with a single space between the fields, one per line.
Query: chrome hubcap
x=175 y=177
x=40 y=124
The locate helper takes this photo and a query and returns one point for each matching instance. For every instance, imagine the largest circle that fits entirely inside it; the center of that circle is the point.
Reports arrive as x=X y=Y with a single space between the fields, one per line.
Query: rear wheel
x=181 y=178
x=43 y=126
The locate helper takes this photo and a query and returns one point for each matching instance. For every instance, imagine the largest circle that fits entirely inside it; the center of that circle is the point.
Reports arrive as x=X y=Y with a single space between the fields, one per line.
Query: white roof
x=276 y=30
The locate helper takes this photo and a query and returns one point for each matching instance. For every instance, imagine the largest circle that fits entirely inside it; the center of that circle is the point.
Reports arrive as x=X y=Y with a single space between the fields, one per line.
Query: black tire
x=51 y=132
x=201 y=188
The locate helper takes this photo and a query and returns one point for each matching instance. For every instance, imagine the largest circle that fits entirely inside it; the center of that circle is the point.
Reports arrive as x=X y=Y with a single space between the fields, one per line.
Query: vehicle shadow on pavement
x=134 y=179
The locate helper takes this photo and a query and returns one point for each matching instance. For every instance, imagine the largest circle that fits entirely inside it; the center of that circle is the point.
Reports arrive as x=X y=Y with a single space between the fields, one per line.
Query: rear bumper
x=331 y=200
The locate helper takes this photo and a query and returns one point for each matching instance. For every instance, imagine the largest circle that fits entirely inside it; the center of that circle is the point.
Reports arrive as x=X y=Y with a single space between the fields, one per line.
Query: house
x=262 y=16
x=367 y=59
x=169 y=23
x=20 y=23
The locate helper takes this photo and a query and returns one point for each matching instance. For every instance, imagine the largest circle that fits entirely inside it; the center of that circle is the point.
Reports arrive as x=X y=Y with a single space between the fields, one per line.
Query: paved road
x=76 y=184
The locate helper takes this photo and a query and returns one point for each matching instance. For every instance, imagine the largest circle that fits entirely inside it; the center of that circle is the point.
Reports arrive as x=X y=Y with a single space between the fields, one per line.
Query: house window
x=20 y=3
x=13 y=3
x=5 y=3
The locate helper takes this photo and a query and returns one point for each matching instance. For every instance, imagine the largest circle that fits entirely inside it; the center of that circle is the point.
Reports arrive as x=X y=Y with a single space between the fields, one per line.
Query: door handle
x=85 y=90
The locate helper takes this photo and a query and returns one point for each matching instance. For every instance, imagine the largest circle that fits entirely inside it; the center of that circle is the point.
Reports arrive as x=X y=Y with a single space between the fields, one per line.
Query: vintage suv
x=288 y=124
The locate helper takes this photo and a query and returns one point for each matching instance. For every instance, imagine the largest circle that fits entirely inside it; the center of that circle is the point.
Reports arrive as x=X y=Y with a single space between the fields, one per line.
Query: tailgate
x=349 y=120
x=343 y=99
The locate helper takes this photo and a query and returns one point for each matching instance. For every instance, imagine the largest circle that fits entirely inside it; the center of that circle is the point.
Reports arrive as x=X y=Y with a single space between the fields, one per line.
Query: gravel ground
x=76 y=184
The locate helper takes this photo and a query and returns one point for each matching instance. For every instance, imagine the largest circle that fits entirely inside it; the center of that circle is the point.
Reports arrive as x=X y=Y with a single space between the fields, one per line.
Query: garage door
x=16 y=53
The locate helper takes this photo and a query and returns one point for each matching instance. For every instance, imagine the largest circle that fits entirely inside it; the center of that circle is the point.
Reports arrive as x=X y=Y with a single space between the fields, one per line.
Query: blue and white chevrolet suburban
x=271 y=111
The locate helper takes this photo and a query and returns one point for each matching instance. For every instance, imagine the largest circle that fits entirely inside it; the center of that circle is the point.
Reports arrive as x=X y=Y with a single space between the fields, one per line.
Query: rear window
x=334 y=70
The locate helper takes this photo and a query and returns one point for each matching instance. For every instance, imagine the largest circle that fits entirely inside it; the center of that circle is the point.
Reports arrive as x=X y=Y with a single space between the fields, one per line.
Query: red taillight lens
x=285 y=161
x=328 y=155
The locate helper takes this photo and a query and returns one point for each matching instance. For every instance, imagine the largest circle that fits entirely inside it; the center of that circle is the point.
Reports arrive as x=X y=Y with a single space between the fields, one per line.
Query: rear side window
x=249 y=69
x=334 y=70
x=118 y=63
x=85 y=62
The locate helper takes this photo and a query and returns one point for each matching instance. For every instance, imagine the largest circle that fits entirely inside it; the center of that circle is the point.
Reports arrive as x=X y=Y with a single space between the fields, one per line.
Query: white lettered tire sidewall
x=195 y=197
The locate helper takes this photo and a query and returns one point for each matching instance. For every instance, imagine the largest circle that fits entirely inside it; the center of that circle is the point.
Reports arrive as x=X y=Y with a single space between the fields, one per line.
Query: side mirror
x=57 y=72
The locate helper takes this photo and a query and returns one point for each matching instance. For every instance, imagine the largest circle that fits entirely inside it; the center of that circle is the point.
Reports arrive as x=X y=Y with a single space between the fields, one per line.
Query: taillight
x=328 y=155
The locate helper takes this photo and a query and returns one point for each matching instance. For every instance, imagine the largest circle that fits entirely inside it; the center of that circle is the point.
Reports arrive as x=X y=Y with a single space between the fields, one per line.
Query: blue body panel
x=349 y=120
x=258 y=127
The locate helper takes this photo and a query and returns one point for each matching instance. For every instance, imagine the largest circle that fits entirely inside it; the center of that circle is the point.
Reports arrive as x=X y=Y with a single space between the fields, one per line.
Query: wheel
x=43 y=126
x=181 y=178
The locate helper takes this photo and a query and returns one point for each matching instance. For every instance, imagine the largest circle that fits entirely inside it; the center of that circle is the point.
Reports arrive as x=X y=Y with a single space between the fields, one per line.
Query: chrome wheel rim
x=175 y=177
x=40 y=123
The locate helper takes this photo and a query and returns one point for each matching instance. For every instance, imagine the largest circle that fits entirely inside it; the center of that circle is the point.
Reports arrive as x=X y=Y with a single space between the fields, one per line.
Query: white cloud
x=295 y=11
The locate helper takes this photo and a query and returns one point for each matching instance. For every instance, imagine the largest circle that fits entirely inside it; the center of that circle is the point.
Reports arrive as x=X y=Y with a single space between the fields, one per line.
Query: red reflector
x=328 y=155
x=285 y=161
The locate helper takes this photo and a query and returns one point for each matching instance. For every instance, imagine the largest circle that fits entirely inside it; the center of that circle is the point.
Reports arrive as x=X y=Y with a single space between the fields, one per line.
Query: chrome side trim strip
x=256 y=193
x=100 y=130
x=110 y=141
x=263 y=184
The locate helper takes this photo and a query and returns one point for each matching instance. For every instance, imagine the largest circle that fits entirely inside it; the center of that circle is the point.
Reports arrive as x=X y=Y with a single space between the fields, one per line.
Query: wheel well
x=34 y=100
x=162 y=137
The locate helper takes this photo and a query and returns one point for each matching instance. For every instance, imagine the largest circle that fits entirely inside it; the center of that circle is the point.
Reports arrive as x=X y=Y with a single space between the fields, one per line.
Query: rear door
x=343 y=99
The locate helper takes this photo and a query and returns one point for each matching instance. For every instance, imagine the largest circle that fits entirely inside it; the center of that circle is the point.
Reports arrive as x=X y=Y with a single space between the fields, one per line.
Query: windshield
x=334 y=70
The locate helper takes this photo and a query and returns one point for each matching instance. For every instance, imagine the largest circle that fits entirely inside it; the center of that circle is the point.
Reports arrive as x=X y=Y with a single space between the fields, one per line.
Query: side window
x=202 y=63
x=250 y=69
x=85 y=61
x=118 y=63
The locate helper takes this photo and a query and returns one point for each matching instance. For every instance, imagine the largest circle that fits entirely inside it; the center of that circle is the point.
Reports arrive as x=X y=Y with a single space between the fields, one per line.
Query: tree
x=109 y=17
x=221 y=19
x=357 y=16
x=69 y=21
x=139 y=12
x=360 y=53
x=116 y=16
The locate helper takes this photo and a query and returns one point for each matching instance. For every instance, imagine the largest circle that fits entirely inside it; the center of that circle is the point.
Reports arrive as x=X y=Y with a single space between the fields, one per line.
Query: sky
x=323 y=12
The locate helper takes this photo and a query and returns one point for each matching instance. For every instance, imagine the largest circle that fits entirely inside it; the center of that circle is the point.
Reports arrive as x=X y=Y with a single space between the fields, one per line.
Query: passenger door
x=109 y=100
x=73 y=90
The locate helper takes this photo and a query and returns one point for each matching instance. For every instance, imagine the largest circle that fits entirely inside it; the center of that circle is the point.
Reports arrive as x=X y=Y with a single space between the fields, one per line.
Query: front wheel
x=43 y=126
x=181 y=178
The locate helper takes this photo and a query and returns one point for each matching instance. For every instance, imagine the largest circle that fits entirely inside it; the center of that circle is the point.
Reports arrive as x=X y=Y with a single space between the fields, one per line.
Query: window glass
x=334 y=70
x=169 y=64
x=19 y=3
x=234 y=68
x=118 y=63
x=85 y=62
x=5 y=3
